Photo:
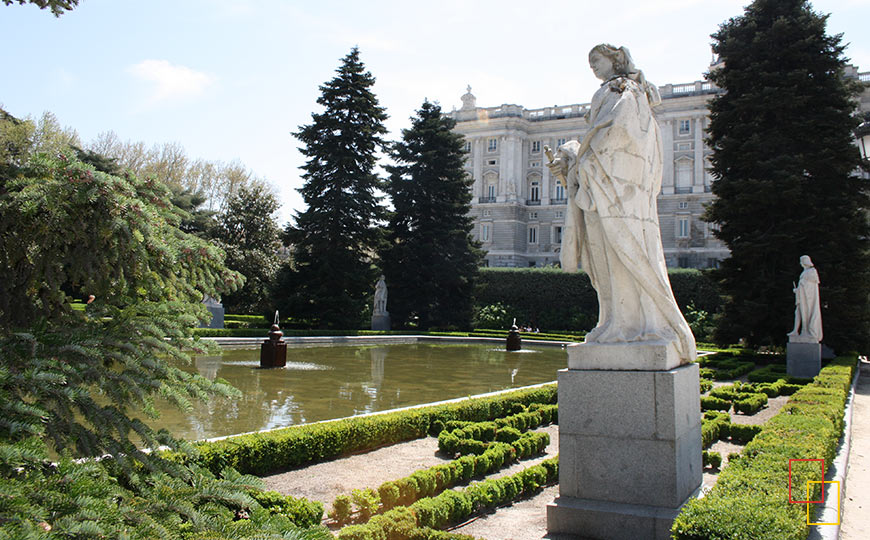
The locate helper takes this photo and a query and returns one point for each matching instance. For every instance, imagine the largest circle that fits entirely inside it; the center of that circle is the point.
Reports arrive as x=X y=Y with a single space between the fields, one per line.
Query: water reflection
x=323 y=382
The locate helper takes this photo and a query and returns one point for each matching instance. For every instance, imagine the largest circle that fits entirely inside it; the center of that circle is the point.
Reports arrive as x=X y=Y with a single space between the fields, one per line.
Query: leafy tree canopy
x=57 y=7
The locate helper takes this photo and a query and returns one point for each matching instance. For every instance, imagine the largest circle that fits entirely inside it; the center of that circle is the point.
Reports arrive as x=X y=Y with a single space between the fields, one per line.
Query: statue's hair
x=623 y=66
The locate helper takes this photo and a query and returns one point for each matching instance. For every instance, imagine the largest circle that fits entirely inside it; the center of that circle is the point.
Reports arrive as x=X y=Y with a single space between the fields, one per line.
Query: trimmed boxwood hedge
x=277 y=450
x=550 y=298
x=401 y=522
x=750 y=499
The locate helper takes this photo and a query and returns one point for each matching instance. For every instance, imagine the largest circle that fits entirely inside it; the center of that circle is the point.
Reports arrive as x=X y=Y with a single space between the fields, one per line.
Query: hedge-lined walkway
x=856 y=506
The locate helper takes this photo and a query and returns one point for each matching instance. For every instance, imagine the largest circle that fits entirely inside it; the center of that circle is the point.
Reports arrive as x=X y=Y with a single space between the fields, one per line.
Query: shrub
x=750 y=403
x=341 y=509
x=705 y=385
x=711 y=403
x=743 y=433
x=711 y=459
x=302 y=512
x=366 y=502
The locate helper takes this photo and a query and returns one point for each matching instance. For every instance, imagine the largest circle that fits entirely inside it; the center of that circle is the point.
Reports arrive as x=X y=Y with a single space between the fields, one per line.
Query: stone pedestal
x=629 y=443
x=803 y=360
x=381 y=322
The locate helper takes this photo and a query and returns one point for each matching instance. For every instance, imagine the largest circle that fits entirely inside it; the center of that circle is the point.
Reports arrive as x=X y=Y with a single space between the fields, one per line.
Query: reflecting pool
x=324 y=382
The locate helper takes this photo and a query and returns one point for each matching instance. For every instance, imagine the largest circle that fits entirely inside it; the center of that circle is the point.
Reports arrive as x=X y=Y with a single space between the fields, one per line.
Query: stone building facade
x=519 y=207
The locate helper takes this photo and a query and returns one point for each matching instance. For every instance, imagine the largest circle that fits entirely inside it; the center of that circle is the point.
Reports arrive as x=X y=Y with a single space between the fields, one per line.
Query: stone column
x=667 y=128
x=698 y=184
x=629 y=441
x=477 y=164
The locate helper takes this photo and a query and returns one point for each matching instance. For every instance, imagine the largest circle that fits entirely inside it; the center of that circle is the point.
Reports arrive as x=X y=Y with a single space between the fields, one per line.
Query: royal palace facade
x=519 y=207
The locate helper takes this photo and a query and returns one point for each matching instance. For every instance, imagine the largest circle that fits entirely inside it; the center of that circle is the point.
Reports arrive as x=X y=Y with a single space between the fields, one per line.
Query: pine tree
x=334 y=238
x=430 y=261
x=784 y=163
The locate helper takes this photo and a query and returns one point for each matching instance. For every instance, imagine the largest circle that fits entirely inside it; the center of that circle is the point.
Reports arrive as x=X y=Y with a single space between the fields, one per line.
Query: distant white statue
x=611 y=228
x=807 y=310
x=381 y=297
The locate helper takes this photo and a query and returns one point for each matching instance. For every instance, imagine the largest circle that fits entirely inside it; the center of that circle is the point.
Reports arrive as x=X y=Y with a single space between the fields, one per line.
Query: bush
x=743 y=433
x=341 y=509
x=750 y=403
x=705 y=385
x=492 y=316
x=711 y=459
x=712 y=403
x=302 y=512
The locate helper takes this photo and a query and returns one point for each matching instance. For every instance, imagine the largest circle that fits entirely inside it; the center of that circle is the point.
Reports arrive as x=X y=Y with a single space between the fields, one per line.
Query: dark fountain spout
x=514 y=343
x=273 y=351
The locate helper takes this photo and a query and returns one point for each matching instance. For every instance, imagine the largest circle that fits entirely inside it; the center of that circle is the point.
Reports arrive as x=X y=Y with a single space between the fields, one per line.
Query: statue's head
x=806 y=262
x=607 y=61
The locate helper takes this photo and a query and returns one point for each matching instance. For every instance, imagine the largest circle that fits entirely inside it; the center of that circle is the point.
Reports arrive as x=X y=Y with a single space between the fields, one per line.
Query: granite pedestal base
x=381 y=322
x=629 y=446
x=803 y=360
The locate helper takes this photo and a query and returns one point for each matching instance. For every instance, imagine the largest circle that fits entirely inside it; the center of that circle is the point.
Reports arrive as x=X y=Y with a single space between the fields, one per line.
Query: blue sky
x=231 y=79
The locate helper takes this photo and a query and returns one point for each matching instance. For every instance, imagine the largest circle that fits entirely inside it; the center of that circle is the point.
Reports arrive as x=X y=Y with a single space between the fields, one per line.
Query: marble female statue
x=807 y=311
x=611 y=227
x=380 y=307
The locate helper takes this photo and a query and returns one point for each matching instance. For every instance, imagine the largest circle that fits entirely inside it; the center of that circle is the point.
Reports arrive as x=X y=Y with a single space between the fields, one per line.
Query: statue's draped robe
x=807 y=300
x=612 y=227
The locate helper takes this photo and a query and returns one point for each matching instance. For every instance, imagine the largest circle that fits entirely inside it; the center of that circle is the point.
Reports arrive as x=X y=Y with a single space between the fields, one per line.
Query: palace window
x=560 y=214
x=468 y=146
x=683 y=205
x=534 y=191
x=557 y=234
x=484 y=233
x=536 y=147
x=491 y=162
x=490 y=191
x=683 y=231
x=683 y=175
x=487 y=213
x=533 y=215
x=533 y=235
x=492 y=145
x=685 y=127
x=560 y=142
x=559 y=191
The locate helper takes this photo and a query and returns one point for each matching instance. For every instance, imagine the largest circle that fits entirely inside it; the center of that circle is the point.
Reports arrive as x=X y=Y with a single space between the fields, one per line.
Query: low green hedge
x=472 y=437
x=302 y=512
x=264 y=453
x=450 y=506
x=711 y=459
x=713 y=403
x=705 y=385
x=750 y=499
x=714 y=426
x=743 y=433
x=750 y=403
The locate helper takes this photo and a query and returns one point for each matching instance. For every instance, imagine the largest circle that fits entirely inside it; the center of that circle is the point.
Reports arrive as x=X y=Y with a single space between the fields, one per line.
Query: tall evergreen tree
x=335 y=237
x=430 y=260
x=784 y=163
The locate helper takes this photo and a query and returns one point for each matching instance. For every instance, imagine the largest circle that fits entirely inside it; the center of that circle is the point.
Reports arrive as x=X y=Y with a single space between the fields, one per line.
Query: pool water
x=325 y=382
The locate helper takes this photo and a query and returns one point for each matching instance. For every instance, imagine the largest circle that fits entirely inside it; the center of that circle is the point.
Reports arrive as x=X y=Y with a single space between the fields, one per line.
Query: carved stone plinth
x=629 y=445
x=381 y=322
x=803 y=360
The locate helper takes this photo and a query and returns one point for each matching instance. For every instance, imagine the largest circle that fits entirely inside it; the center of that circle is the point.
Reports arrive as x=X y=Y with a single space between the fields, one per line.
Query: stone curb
x=372 y=340
x=837 y=472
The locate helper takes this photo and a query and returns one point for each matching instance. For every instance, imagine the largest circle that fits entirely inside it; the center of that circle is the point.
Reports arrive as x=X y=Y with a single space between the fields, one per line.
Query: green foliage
x=711 y=459
x=281 y=449
x=700 y=322
x=712 y=403
x=429 y=259
x=781 y=194
x=743 y=433
x=248 y=233
x=492 y=316
x=552 y=299
x=342 y=508
x=333 y=239
x=750 y=499
x=302 y=512
x=750 y=403
x=430 y=513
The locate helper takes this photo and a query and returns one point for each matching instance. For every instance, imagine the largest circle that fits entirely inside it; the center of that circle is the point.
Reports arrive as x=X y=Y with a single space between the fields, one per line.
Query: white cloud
x=169 y=81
